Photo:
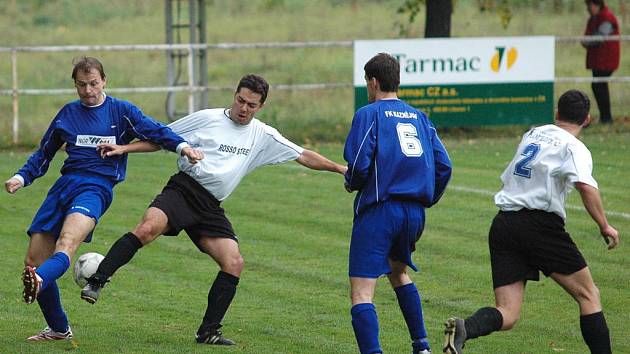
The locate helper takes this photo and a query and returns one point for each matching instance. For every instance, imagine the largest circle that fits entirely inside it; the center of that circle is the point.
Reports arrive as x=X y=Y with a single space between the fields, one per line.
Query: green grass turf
x=294 y=226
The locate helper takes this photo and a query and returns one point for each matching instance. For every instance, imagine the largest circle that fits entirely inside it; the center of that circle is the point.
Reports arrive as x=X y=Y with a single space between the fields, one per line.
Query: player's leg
x=410 y=305
x=486 y=320
x=42 y=246
x=226 y=253
x=364 y=318
x=370 y=244
x=153 y=224
x=510 y=271
x=75 y=228
x=602 y=96
x=411 y=218
x=592 y=321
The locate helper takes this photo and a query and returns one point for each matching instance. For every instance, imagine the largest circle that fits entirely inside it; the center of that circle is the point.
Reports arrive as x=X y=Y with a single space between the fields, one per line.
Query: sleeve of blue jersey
x=359 y=148
x=443 y=167
x=146 y=128
x=38 y=163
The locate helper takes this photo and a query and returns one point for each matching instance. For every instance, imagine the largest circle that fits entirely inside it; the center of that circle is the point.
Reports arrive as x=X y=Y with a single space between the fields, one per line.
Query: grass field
x=294 y=227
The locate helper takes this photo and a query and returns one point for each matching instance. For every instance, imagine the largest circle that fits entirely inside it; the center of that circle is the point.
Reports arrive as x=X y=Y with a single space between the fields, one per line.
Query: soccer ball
x=85 y=266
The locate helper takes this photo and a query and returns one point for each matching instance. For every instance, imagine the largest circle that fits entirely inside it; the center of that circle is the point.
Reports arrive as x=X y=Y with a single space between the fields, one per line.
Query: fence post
x=191 y=79
x=14 y=94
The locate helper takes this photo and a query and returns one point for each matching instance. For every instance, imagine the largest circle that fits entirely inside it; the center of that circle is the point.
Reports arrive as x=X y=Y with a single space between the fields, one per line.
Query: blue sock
x=411 y=307
x=53 y=268
x=50 y=303
x=365 y=325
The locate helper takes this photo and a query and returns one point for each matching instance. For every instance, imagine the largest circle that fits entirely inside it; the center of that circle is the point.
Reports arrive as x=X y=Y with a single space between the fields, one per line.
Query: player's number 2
x=408 y=138
x=522 y=167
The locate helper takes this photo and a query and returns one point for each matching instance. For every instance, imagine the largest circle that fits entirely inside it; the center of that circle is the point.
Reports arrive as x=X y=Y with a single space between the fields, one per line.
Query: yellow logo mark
x=497 y=58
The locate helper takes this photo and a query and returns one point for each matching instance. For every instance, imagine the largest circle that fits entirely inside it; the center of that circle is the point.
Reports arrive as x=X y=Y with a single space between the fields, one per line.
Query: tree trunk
x=438 y=23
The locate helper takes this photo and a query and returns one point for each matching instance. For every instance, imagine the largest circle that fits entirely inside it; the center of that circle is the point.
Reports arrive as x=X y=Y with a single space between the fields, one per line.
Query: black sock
x=483 y=322
x=595 y=333
x=121 y=252
x=219 y=299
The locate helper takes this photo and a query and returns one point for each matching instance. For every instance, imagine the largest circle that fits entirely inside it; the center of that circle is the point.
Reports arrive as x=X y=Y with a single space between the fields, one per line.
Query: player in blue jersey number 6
x=528 y=236
x=234 y=143
x=84 y=191
x=399 y=167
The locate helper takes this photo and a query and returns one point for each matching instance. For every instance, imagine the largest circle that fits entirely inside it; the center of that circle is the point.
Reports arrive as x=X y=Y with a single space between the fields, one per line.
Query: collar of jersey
x=236 y=125
x=96 y=105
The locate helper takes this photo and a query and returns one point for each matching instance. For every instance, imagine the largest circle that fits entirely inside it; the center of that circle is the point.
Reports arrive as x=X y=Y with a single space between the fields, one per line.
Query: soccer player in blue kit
x=84 y=191
x=399 y=167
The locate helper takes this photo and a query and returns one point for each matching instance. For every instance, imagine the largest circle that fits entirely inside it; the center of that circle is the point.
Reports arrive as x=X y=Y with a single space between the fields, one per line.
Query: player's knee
x=145 y=232
x=233 y=264
x=588 y=295
x=399 y=279
x=360 y=296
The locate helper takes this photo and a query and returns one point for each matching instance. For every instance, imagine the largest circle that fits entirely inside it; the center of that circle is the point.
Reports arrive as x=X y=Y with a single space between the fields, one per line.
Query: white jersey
x=548 y=161
x=230 y=150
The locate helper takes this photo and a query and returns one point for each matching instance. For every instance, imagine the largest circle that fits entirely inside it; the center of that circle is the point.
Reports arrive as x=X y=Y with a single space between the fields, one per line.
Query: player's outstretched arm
x=315 y=161
x=108 y=150
x=593 y=204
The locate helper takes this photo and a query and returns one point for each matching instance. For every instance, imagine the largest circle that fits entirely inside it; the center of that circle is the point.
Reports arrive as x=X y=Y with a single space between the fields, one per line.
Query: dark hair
x=85 y=64
x=599 y=3
x=255 y=83
x=385 y=69
x=573 y=107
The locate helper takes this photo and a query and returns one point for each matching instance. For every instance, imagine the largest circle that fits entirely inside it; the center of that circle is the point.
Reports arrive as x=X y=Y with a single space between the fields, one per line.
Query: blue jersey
x=81 y=128
x=394 y=152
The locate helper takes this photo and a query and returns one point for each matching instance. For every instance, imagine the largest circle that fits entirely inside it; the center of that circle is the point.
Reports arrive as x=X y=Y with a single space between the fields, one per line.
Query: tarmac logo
x=93 y=140
x=497 y=58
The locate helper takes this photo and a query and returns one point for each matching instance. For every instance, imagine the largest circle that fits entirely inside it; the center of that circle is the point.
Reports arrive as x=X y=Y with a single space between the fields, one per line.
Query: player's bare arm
x=108 y=150
x=315 y=161
x=593 y=204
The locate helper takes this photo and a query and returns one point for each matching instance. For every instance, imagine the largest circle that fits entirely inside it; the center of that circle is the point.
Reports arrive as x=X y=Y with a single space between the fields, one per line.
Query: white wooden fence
x=15 y=91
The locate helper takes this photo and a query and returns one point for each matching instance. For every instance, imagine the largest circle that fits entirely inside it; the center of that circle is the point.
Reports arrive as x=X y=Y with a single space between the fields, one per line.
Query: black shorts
x=524 y=242
x=192 y=208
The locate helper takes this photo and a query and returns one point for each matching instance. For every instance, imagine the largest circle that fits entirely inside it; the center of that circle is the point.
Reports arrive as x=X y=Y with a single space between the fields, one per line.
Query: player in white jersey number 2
x=528 y=235
x=233 y=143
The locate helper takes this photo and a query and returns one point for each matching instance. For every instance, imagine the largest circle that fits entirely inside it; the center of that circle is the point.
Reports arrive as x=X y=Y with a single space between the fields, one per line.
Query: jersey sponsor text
x=234 y=149
x=93 y=140
x=397 y=114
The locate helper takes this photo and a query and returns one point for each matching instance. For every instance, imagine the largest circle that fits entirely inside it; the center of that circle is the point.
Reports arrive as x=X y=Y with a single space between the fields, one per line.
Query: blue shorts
x=387 y=230
x=72 y=193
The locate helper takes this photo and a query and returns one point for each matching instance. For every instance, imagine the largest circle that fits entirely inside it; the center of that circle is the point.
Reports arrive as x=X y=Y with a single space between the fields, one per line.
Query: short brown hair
x=256 y=84
x=85 y=64
x=386 y=70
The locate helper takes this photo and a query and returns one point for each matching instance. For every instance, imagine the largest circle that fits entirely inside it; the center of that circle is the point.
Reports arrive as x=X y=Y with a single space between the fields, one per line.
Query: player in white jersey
x=528 y=235
x=234 y=143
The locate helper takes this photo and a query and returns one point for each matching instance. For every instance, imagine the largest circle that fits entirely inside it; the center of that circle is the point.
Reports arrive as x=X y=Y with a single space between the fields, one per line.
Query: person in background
x=602 y=57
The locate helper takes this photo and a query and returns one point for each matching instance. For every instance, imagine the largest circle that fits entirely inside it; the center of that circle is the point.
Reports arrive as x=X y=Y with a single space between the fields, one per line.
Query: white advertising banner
x=469 y=81
x=463 y=60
